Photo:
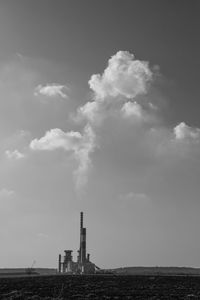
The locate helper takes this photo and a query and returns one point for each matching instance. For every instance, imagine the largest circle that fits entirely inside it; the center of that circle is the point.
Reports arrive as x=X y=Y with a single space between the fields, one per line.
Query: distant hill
x=157 y=271
x=23 y=271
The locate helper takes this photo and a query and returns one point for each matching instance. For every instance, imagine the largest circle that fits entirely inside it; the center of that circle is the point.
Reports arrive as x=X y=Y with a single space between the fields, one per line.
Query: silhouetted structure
x=83 y=264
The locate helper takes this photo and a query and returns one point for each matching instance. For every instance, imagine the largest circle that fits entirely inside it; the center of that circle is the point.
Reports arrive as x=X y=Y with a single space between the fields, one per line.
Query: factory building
x=83 y=264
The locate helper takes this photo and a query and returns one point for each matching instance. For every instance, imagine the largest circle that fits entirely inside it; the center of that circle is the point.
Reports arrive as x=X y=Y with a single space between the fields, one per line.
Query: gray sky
x=99 y=112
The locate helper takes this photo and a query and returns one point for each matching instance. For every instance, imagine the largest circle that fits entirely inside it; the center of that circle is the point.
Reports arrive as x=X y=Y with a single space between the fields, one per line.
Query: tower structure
x=82 y=250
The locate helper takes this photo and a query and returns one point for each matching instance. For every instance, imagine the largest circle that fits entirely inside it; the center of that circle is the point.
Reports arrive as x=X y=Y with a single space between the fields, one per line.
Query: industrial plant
x=83 y=264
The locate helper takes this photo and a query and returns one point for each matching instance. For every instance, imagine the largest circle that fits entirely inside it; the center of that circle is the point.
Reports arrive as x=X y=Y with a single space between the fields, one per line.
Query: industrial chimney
x=82 y=252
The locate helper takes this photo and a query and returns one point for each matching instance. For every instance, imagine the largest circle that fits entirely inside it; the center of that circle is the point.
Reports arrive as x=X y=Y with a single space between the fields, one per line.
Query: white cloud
x=56 y=139
x=89 y=111
x=132 y=109
x=5 y=193
x=115 y=93
x=135 y=197
x=15 y=154
x=94 y=112
x=124 y=76
x=138 y=200
x=51 y=90
x=180 y=142
x=123 y=79
x=83 y=156
x=80 y=144
x=42 y=235
x=183 y=132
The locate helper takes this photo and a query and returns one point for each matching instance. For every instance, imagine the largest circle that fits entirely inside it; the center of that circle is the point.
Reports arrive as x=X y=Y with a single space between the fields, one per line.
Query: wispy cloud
x=42 y=235
x=131 y=196
x=15 y=154
x=6 y=193
x=138 y=201
x=51 y=90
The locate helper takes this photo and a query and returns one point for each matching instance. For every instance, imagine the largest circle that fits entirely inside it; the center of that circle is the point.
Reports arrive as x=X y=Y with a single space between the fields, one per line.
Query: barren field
x=100 y=287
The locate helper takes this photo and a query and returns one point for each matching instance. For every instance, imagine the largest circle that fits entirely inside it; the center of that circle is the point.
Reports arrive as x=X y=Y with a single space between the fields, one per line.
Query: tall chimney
x=83 y=245
x=82 y=253
x=59 y=263
x=81 y=220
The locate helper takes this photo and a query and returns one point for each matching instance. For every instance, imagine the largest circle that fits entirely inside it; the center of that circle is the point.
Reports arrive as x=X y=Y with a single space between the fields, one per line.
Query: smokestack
x=59 y=263
x=81 y=227
x=81 y=220
x=83 y=245
x=82 y=252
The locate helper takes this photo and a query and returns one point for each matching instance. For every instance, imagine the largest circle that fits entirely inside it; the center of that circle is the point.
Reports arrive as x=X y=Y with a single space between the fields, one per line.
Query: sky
x=99 y=112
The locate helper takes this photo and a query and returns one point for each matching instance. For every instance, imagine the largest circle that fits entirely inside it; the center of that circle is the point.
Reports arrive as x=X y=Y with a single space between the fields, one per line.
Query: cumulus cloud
x=15 y=154
x=55 y=139
x=5 y=193
x=124 y=76
x=183 y=132
x=81 y=145
x=51 y=90
x=179 y=142
x=122 y=80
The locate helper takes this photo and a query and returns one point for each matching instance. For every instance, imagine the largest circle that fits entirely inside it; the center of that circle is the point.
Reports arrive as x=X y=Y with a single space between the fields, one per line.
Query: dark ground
x=100 y=287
